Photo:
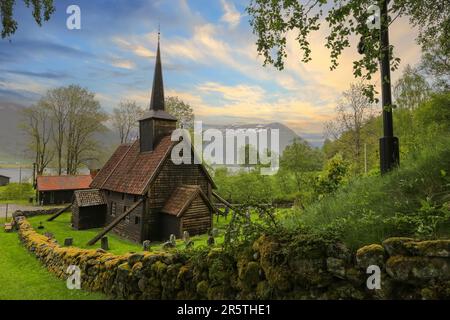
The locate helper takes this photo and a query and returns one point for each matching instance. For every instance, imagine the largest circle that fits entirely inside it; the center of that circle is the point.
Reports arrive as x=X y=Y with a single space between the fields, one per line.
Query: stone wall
x=302 y=268
x=34 y=213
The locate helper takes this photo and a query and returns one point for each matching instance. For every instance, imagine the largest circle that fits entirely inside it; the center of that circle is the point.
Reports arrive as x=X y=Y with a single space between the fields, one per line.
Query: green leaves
x=42 y=10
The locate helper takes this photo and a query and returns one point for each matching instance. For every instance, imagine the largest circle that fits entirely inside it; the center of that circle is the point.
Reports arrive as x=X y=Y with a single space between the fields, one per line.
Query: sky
x=208 y=54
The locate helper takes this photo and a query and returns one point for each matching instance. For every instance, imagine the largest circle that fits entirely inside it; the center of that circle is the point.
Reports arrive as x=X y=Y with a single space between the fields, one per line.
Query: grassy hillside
x=411 y=201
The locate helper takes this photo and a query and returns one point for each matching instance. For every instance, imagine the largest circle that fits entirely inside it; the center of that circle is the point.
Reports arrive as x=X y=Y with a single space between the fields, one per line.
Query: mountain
x=287 y=135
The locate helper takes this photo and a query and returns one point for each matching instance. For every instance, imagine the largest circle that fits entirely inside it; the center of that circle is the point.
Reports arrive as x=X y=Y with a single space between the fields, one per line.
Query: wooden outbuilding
x=60 y=189
x=4 y=180
x=88 y=209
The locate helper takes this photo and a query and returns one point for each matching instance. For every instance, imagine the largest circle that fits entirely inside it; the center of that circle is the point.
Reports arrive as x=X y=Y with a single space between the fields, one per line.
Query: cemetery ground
x=61 y=229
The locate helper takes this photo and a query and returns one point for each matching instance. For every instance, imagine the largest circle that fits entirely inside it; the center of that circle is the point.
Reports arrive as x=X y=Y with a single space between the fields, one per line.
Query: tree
x=84 y=121
x=436 y=63
x=272 y=20
x=180 y=110
x=37 y=126
x=42 y=10
x=75 y=116
x=354 y=110
x=300 y=158
x=125 y=120
x=411 y=89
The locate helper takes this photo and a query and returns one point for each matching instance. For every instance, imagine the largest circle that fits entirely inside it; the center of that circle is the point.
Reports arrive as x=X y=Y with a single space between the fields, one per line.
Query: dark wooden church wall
x=170 y=177
x=127 y=228
x=198 y=218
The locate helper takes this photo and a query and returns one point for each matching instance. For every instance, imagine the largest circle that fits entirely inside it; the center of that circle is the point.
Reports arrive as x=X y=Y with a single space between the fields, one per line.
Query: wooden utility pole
x=389 y=145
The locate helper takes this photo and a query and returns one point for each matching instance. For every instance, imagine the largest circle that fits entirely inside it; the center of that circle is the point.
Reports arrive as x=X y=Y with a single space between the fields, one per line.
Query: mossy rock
x=373 y=254
x=134 y=258
x=202 y=288
x=396 y=246
x=263 y=290
x=418 y=269
x=431 y=248
x=249 y=275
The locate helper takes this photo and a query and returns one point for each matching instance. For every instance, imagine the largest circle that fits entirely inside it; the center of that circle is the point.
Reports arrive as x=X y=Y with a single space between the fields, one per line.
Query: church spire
x=157 y=98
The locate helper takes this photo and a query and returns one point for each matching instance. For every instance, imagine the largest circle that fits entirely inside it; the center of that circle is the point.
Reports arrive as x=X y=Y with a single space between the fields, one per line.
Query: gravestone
x=146 y=245
x=214 y=232
x=210 y=241
x=40 y=225
x=68 y=242
x=105 y=243
x=173 y=239
x=186 y=237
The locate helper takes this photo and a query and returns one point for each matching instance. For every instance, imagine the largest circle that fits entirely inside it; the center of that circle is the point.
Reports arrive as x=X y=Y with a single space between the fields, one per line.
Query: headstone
x=214 y=232
x=186 y=237
x=146 y=245
x=40 y=225
x=105 y=244
x=210 y=241
x=68 y=242
x=173 y=239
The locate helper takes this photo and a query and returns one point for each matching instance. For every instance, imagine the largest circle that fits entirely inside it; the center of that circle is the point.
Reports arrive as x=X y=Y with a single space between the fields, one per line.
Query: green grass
x=61 y=229
x=411 y=201
x=22 y=277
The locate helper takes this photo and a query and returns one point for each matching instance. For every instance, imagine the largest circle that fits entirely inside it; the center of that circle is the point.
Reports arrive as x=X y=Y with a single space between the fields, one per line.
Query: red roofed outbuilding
x=60 y=189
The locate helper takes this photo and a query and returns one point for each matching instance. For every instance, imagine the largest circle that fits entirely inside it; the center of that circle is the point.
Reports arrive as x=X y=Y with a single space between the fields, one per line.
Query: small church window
x=137 y=220
x=123 y=196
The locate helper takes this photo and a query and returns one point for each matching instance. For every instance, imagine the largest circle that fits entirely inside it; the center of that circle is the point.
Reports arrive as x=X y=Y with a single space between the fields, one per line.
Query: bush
x=16 y=191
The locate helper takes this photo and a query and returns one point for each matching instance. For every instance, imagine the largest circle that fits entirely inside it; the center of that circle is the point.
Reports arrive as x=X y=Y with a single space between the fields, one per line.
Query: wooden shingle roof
x=131 y=171
x=181 y=199
x=88 y=198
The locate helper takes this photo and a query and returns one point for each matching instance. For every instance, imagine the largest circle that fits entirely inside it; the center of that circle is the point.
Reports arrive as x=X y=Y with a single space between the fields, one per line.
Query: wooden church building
x=140 y=194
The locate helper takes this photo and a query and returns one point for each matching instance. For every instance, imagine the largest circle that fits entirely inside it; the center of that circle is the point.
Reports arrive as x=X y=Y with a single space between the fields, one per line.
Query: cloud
x=124 y=64
x=231 y=15
x=47 y=75
x=136 y=48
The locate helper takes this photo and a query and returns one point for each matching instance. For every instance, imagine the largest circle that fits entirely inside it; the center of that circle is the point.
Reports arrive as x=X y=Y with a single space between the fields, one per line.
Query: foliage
x=16 y=191
x=273 y=20
x=411 y=89
x=435 y=63
x=411 y=201
x=180 y=110
x=125 y=120
x=353 y=112
x=68 y=117
x=300 y=158
x=42 y=10
x=332 y=178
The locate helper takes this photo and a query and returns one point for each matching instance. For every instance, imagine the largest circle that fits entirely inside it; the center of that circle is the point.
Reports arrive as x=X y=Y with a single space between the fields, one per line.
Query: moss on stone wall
x=301 y=267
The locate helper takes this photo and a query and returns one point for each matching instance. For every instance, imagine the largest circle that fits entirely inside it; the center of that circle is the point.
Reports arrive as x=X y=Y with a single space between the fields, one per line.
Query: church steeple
x=156 y=122
x=157 y=99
